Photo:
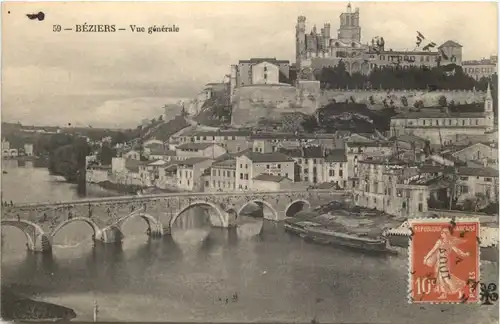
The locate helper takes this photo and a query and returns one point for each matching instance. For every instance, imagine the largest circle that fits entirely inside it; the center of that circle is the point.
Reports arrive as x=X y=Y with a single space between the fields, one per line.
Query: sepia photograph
x=250 y=162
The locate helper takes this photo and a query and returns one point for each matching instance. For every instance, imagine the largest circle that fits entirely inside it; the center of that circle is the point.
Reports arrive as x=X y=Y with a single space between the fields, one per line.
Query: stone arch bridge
x=106 y=216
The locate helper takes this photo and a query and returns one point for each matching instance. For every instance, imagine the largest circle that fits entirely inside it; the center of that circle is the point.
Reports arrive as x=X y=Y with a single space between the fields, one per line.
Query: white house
x=199 y=150
x=189 y=173
x=269 y=182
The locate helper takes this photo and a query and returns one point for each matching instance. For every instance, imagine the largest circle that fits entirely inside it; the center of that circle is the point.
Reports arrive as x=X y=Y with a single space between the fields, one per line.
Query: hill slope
x=216 y=111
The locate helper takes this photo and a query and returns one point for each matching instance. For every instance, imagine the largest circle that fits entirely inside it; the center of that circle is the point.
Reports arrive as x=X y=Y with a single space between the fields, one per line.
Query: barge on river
x=320 y=234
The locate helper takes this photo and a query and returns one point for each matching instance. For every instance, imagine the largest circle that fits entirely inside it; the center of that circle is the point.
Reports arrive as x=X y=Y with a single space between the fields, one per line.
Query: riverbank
x=16 y=307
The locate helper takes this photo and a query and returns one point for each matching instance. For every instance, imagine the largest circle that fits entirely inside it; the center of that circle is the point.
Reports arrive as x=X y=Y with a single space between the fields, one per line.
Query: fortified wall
x=251 y=103
x=412 y=95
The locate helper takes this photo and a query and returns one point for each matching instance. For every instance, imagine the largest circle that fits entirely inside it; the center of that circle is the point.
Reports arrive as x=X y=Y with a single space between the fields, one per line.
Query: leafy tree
x=442 y=101
x=418 y=104
x=404 y=101
x=106 y=154
x=160 y=117
x=310 y=124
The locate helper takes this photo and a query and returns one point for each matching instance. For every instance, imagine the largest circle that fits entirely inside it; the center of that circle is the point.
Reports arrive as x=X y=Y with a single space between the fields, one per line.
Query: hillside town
x=440 y=155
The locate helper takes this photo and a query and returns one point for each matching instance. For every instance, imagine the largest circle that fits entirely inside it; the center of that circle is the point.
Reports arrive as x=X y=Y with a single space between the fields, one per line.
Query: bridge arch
x=35 y=235
x=263 y=202
x=87 y=221
x=202 y=203
x=306 y=205
x=149 y=219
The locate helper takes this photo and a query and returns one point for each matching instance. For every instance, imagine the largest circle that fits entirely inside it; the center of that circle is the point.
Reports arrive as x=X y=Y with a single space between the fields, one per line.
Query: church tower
x=349 y=25
x=300 y=41
x=488 y=110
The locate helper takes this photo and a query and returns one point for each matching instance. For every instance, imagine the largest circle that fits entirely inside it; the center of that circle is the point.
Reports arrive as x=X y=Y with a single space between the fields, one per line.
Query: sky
x=118 y=79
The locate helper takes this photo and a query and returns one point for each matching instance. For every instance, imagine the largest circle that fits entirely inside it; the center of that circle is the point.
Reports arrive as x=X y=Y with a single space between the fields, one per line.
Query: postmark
x=444 y=260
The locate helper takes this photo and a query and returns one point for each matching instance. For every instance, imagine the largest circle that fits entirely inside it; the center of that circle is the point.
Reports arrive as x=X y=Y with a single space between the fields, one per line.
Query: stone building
x=232 y=140
x=443 y=127
x=481 y=68
x=222 y=176
x=259 y=71
x=316 y=50
x=199 y=150
x=190 y=171
x=269 y=182
x=317 y=164
x=251 y=164
x=385 y=184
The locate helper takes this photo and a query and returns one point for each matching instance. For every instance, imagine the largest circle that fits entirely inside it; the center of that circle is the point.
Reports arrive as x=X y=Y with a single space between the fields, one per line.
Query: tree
x=443 y=101
x=418 y=104
x=310 y=124
x=160 y=117
x=106 y=154
x=404 y=101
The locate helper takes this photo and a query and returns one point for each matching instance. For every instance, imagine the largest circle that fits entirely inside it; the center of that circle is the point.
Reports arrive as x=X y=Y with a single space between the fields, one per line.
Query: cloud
x=50 y=78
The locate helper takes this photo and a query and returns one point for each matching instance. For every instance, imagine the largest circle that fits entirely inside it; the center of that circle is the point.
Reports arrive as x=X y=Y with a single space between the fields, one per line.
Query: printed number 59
x=424 y=286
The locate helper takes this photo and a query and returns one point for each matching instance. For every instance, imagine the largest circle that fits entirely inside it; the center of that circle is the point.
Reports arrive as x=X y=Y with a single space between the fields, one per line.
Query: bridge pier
x=40 y=244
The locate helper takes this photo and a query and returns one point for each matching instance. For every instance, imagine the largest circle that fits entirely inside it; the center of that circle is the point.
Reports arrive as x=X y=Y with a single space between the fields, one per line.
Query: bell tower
x=488 y=110
x=349 y=25
x=300 y=40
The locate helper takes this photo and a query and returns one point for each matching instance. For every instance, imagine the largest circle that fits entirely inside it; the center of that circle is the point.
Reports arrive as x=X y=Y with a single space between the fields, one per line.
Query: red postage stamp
x=444 y=261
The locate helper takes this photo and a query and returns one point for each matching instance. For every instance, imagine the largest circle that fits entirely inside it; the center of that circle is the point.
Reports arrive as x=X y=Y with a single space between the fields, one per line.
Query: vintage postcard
x=249 y=162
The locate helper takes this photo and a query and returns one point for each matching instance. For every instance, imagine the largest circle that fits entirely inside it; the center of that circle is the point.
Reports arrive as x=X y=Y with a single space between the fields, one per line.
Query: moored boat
x=298 y=227
x=328 y=236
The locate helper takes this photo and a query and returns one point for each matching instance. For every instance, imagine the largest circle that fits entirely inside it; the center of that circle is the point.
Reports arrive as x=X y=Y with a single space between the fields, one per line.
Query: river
x=188 y=276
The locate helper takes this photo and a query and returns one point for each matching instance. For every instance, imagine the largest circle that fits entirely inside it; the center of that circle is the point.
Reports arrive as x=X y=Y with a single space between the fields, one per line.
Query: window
x=420 y=207
x=218 y=173
x=241 y=176
x=332 y=173
x=463 y=122
x=488 y=179
x=246 y=166
x=424 y=122
x=267 y=166
x=241 y=166
x=341 y=173
x=279 y=166
x=286 y=175
x=213 y=173
x=464 y=178
x=465 y=189
x=246 y=176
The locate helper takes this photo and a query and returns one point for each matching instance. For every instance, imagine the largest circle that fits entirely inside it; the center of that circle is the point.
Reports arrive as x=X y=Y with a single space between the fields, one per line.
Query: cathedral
x=316 y=50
